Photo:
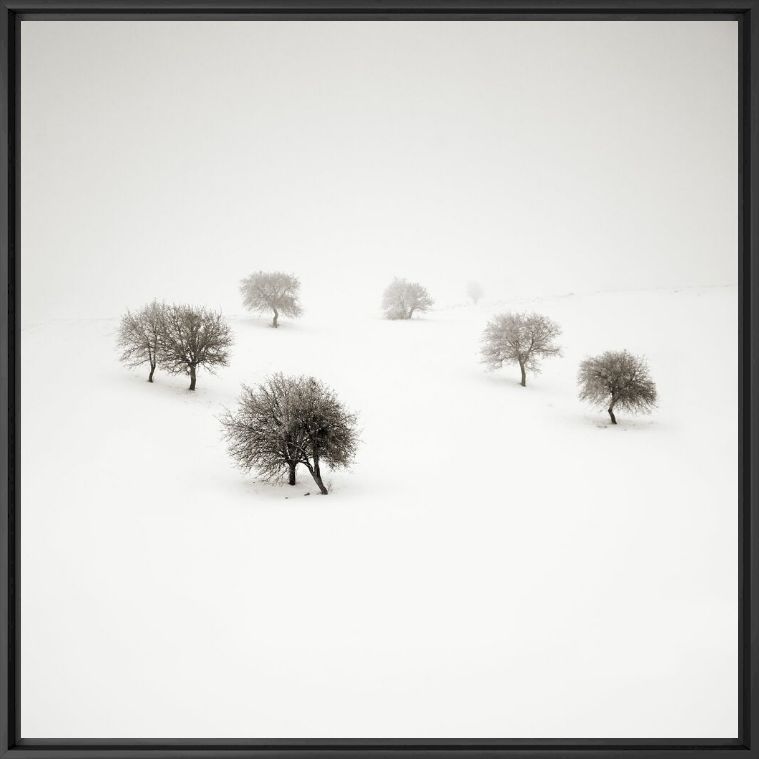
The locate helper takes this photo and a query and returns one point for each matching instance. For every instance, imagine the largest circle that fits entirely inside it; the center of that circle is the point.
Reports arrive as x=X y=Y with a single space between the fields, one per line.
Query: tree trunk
x=410 y=312
x=523 y=383
x=611 y=414
x=152 y=371
x=275 y=320
x=318 y=480
x=317 y=475
x=192 y=377
x=291 y=477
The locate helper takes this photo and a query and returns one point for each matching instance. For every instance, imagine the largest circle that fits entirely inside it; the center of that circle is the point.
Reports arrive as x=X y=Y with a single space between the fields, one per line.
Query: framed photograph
x=379 y=379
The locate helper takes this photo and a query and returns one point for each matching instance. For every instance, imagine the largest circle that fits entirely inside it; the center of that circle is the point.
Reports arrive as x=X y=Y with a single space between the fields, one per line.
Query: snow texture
x=499 y=562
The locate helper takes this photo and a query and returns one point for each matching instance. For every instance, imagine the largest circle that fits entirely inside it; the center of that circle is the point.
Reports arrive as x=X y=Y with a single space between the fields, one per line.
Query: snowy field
x=500 y=561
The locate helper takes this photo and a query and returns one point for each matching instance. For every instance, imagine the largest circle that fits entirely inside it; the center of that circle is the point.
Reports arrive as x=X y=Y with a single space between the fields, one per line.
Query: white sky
x=171 y=159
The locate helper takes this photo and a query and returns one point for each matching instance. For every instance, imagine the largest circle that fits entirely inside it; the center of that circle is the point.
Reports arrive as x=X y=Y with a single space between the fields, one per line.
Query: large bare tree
x=617 y=380
x=272 y=291
x=286 y=421
x=523 y=339
x=193 y=337
x=402 y=299
x=139 y=336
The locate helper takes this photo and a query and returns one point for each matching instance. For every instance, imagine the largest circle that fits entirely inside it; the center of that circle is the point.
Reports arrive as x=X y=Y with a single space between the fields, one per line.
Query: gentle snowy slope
x=493 y=547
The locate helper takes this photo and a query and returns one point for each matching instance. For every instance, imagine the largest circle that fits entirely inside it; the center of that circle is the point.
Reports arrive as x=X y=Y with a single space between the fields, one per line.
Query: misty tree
x=474 y=291
x=193 y=337
x=617 y=380
x=139 y=336
x=402 y=298
x=287 y=421
x=523 y=339
x=272 y=291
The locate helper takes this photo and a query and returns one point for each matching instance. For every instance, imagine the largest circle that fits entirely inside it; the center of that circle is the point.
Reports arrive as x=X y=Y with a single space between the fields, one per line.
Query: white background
x=499 y=562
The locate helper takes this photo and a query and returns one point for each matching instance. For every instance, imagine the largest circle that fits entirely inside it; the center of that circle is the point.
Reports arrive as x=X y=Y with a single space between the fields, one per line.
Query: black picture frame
x=746 y=12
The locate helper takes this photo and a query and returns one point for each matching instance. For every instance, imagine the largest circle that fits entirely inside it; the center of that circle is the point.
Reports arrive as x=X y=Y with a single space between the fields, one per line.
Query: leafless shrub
x=272 y=291
x=523 y=339
x=617 y=379
x=287 y=421
x=193 y=337
x=474 y=291
x=139 y=336
x=402 y=298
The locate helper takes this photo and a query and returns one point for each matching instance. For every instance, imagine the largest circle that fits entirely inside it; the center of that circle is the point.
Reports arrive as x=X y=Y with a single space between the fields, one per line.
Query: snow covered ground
x=499 y=562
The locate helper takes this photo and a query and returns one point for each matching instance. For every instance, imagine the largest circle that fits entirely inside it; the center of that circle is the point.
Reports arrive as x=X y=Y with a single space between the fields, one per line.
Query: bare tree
x=272 y=291
x=617 y=379
x=523 y=339
x=287 y=421
x=193 y=337
x=139 y=336
x=474 y=291
x=402 y=298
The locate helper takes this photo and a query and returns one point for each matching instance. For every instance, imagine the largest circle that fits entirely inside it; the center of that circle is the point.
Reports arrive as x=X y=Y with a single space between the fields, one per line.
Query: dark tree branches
x=139 y=336
x=617 y=380
x=193 y=337
x=288 y=421
x=523 y=339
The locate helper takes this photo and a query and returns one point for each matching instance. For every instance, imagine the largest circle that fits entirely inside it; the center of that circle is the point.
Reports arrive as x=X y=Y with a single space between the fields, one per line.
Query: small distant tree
x=139 y=336
x=193 y=337
x=272 y=291
x=523 y=339
x=474 y=291
x=402 y=298
x=287 y=421
x=617 y=380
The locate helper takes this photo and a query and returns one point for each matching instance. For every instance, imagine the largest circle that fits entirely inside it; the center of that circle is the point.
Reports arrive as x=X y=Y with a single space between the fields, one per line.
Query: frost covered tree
x=287 y=421
x=617 y=380
x=272 y=291
x=474 y=291
x=402 y=298
x=193 y=337
x=523 y=339
x=139 y=336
